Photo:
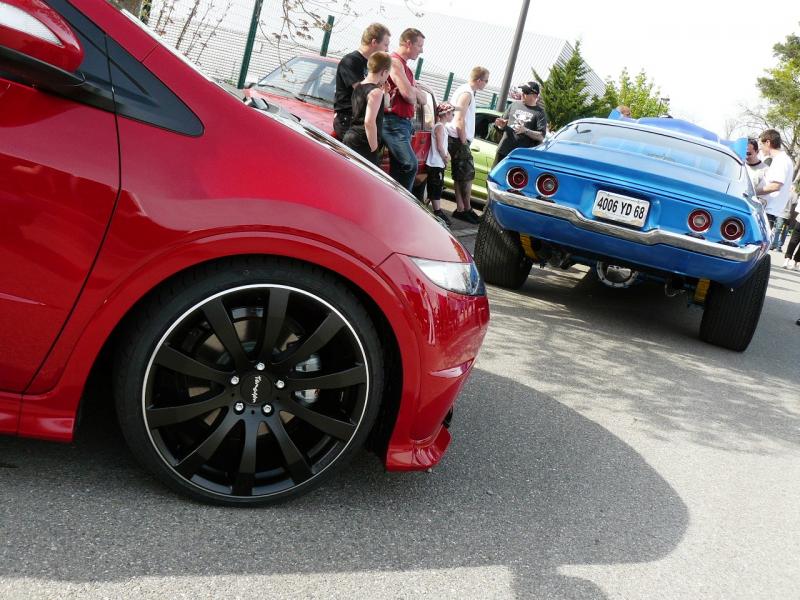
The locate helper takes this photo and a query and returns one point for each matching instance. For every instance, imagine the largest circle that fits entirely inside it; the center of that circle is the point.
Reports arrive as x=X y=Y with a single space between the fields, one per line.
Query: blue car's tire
x=499 y=255
x=731 y=316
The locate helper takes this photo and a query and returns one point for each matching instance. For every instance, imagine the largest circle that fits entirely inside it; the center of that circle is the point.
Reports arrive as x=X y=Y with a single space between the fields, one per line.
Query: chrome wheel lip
x=180 y=320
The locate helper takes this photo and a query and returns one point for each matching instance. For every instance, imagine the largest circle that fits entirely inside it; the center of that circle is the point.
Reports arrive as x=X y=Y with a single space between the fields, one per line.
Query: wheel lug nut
x=260 y=367
x=238 y=408
x=234 y=380
x=267 y=409
x=280 y=384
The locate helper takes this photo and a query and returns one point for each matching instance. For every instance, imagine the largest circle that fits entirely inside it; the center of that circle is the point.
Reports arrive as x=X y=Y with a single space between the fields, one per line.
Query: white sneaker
x=786 y=264
x=797 y=266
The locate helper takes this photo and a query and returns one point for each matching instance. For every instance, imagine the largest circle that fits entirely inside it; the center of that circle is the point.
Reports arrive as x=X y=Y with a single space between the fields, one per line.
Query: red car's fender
x=50 y=405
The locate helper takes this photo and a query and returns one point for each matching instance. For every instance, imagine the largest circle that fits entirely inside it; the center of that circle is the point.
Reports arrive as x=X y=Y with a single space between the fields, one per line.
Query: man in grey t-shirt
x=524 y=124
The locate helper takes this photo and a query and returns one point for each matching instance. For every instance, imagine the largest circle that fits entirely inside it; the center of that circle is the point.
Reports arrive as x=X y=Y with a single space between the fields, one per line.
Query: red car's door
x=59 y=178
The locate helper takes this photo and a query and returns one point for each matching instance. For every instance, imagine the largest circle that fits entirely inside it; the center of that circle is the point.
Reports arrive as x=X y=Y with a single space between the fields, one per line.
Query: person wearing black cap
x=524 y=124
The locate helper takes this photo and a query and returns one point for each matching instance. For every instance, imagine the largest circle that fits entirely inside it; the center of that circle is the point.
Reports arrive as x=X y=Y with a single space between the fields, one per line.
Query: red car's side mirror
x=34 y=30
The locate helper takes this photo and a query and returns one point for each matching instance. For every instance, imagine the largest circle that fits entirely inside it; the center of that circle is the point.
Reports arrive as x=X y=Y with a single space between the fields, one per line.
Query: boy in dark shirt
x=351 y=71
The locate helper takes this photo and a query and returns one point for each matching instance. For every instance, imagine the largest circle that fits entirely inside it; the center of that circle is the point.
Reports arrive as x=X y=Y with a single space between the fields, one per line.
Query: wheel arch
x=52 y=402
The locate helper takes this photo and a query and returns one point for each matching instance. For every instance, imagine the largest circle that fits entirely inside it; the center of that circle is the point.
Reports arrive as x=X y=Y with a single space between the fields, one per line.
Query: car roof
x=317 y=57
x=665 y=131
x=335 y=61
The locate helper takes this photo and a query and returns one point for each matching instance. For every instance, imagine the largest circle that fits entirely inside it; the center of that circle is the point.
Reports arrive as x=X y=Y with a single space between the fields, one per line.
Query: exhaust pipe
x=615 y=276
x=674 y=286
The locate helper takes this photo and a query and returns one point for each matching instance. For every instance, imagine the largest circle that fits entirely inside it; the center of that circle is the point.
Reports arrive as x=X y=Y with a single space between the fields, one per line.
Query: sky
x=704 y=55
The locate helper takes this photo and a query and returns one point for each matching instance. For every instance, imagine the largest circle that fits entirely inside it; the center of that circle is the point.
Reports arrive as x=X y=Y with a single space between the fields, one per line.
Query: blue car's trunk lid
x=645 y=174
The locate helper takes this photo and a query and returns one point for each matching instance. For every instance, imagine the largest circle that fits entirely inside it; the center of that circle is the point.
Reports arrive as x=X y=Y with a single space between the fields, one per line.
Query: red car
x=264 y=313
x=305 y=87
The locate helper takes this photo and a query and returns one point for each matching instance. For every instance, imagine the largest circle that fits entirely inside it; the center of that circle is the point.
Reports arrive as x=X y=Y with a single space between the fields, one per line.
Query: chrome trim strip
x=649 y=238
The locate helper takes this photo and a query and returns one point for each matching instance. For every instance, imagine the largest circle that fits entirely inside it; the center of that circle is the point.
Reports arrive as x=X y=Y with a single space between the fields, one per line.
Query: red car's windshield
x=304 y=77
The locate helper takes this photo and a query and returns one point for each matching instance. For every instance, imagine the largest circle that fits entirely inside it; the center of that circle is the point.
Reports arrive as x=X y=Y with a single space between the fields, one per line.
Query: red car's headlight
x=462 y=278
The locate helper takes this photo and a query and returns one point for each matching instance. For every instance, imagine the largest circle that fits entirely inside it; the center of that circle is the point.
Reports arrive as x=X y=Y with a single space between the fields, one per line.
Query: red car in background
x=260 y=324
x=305 y=87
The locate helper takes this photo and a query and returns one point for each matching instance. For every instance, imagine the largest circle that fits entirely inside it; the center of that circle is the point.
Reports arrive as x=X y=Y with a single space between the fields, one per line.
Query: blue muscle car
x=634 y=201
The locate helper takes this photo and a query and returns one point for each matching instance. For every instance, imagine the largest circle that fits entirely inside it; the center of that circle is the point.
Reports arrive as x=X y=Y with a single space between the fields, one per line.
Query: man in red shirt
x=404 y=96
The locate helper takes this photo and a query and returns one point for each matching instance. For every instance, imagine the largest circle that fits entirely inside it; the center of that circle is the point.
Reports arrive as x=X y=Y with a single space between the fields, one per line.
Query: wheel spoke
x=245 y=476
x=220 y=321
x=296 y=463
x=321 y=336
x=341 y=430
x=201 y=455
x=170 y=415
x=177 y=361
x=340 y=379
x=273 y=321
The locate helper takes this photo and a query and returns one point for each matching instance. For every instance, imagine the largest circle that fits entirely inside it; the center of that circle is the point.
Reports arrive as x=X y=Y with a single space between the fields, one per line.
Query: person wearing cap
x=437 y=160
x=524 y=124
x=460 y=134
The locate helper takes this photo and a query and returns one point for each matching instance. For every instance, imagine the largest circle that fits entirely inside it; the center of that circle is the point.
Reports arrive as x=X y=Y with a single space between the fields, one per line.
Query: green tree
x=638 y=93
x=564 y=91
x=780 y=88
x=608 y=101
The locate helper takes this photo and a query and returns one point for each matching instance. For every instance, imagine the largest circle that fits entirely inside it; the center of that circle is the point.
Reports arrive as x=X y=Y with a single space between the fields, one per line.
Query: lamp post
x=512 y=57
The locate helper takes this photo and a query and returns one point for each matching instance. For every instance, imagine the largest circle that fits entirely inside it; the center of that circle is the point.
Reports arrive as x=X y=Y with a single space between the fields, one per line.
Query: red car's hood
x=319 y=116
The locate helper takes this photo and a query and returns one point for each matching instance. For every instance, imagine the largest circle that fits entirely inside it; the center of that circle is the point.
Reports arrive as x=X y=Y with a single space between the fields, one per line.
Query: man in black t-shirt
x=524 y=124
x=351 y=70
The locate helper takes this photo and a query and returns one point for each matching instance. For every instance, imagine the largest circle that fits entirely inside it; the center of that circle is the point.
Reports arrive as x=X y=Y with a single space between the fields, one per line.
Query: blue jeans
x=402 y=160
x=779 y=235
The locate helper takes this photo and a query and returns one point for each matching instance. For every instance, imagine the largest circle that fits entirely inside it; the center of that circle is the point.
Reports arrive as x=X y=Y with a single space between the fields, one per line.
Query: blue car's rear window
x=654 y=145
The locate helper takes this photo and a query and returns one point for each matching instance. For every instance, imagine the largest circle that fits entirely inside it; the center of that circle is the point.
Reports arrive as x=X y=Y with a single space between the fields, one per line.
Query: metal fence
x=213 y=34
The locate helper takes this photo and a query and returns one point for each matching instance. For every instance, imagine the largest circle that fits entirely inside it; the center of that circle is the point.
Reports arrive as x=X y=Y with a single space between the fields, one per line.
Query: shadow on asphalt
x=528 y=485
x=642 y=348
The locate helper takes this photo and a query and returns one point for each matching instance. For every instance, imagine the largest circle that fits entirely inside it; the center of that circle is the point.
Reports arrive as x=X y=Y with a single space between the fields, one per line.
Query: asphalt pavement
x=600 y=450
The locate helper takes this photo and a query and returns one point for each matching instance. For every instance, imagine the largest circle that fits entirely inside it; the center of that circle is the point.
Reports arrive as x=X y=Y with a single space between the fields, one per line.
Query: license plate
x=622 y=209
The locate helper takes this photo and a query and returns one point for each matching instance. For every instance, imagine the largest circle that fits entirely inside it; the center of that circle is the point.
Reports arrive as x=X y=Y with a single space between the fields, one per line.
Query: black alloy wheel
x=251 y=385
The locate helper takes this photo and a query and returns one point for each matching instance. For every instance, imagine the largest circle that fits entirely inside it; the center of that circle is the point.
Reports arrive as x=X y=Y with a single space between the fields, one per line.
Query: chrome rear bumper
x=649 y=238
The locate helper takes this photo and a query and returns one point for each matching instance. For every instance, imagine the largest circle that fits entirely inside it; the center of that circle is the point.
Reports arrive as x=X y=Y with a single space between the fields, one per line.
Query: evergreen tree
x=564 y=92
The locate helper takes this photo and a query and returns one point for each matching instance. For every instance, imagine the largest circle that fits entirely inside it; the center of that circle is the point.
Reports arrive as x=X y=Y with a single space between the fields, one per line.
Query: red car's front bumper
x=449 y=329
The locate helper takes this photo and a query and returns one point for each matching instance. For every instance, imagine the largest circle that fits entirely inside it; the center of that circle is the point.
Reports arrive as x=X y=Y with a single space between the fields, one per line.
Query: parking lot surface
x=600 y=450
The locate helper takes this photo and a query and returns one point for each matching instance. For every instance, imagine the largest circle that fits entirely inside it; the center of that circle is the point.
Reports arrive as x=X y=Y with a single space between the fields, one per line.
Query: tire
x=730 y=317
x=248 y=381
x=499 y=255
